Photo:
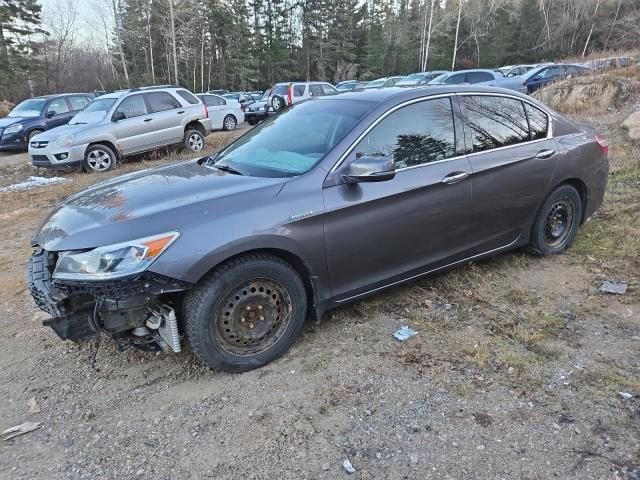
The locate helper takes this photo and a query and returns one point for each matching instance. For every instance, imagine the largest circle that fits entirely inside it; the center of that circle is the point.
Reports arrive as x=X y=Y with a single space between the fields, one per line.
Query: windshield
x=532 y=73
x=440 y=79
x=375 y=83
x=28 y=108
x=293 y=141
x=265 y=95
x=413 y=78
x=100 y=105
x=94 y=112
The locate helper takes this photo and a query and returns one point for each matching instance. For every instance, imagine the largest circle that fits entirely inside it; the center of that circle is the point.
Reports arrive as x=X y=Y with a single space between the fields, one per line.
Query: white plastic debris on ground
x=33 y=182
x=404 y=333
x=613 y=286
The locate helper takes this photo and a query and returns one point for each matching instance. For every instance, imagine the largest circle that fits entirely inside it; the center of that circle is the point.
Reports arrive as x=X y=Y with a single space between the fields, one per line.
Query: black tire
x=99 y=158
x=193 y=140
x=249 y=286
x=251 y=121
x=32 y=134
x=229 y=123
x=557 y=222
x=278 y=103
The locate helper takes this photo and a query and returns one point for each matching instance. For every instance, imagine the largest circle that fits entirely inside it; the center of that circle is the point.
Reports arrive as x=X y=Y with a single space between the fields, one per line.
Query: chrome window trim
x=348 y=152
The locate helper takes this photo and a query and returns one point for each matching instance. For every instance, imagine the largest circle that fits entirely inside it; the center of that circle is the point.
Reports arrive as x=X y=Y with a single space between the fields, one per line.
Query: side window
x=298 y=90
x=161 y=101
x=477 y=77
x=77 y=103
x=494 y=121
x=455 y=79
x=316 y=90
x=222 y=101
x=538 y=122
x=414 y=135
x=188 y=97
x=552 y=72
x=133 y=106
x=58 y=106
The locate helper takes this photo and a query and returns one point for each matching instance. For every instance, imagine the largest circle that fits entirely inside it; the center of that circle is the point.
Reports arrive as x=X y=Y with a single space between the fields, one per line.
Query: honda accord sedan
x=327 y=202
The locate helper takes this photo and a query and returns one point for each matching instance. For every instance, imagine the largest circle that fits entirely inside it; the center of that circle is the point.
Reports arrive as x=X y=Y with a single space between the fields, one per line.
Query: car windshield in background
x=265 y=95
x=532 y=73
x=28 y=108
x=94 y=112
x=411 y=79
x=292 y=142
x=439 y=80
x=375 y=83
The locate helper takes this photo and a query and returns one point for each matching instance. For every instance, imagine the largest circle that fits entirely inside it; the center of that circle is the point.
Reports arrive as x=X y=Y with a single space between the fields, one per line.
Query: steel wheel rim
x=558 y=223
x=98 y=160
x=252 y=317
x=229 y=123
x=195 y=142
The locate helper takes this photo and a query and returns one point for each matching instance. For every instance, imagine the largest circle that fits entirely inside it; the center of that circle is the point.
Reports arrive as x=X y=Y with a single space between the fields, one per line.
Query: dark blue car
x=541 y=76
x=38 y=114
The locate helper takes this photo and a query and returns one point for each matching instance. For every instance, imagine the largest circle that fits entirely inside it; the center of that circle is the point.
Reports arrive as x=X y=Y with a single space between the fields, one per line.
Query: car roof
x=400 y=94
x=56 y=95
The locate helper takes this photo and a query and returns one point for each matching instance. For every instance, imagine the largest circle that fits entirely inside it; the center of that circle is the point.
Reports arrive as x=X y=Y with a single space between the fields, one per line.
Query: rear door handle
x=545 y=154
x=148 y=119
x=455 y=177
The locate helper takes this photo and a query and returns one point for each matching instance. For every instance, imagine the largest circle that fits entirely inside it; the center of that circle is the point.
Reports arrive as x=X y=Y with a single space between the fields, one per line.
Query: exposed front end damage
x=138 y=311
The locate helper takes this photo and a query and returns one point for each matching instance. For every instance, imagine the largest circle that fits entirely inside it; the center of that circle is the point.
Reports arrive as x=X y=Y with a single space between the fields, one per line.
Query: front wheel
x=246 y=313
x=99 y=158
x=556 y=224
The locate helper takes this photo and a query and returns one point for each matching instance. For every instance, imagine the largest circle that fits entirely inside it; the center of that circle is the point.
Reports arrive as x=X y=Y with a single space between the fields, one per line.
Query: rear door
x=483 y=78
x=167 y=114
x=512 y=165
x=217 y=107
x=378 y=233
x=133 y=131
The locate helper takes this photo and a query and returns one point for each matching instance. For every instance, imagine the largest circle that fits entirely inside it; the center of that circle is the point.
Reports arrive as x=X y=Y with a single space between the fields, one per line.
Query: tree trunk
x=173 y=41
x=123 y=60
x=426 y=50
x=455 y=45
x=586 y=44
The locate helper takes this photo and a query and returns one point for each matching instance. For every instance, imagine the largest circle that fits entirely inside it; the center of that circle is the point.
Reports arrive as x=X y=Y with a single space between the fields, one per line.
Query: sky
x=89 y=25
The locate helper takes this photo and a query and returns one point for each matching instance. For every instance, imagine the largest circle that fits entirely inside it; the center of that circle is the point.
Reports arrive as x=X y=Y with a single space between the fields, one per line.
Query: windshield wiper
x=227 y=168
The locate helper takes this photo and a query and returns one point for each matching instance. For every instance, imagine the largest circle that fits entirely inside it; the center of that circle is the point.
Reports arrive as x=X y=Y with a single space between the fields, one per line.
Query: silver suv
x=286 y=94
x=123 y=123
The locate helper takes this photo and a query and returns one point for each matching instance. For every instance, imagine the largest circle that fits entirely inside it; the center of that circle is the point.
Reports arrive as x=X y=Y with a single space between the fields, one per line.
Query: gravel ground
x=516 y=372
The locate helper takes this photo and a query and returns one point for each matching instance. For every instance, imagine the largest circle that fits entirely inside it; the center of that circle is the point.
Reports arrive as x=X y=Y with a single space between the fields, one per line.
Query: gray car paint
x=349 y=239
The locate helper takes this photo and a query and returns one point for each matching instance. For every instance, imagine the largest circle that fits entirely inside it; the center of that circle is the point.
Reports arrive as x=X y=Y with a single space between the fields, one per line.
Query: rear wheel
x=99 y=158
x=251 y=121
x=229 y=123
x=193 y=140
x=556 y=224
x=247 y=313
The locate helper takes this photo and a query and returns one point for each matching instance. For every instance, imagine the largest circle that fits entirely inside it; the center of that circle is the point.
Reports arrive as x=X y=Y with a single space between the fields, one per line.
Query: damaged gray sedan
x=329 y=201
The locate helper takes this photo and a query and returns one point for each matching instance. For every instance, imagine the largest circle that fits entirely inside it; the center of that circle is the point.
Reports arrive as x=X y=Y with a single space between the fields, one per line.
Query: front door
x=513 y=163
x=57 y=113
x=379 y=233
x=133 y=131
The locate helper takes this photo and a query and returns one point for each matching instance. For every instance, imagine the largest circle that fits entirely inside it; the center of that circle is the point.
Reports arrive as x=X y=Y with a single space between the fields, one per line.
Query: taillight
x=290 y=94
x=603 y=143
x=206 y=111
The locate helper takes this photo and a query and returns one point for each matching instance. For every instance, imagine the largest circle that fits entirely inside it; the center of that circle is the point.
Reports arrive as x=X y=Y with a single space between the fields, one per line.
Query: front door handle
x=545 y=154
x=455 y=177
x=180 y=112
x=148 y=119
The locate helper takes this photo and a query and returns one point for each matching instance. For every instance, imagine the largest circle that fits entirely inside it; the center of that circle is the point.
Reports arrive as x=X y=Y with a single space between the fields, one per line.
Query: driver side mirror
x=117 y=116
x=370 y=169
x=51 y=113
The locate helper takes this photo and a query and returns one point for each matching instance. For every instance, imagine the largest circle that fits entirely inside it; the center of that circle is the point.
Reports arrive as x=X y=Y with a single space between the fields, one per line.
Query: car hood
x=50 y=135
x=88 y=118
x=150 y=202
x=6 y=121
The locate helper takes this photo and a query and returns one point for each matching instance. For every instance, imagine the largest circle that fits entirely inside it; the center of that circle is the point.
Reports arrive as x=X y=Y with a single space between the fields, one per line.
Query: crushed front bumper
x=121 y=308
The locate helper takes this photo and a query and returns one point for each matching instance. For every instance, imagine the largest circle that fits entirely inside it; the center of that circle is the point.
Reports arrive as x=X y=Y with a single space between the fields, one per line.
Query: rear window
x=161 y=101
x=478 y=77
x=78 y=103
x=280 y=89
x=494 y=121
x=188 y=96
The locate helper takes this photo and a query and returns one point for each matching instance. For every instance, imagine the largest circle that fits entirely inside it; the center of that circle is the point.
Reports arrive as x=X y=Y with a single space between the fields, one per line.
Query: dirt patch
x=591 y=94
x=5 y=107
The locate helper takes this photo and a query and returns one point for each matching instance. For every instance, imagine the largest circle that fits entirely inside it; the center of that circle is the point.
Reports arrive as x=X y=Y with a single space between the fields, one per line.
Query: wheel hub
x=252 y=317
x=558 y=222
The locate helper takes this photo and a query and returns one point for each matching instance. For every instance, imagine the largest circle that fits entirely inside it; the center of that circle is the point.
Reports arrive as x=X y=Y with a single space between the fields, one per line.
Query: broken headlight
x=113 y=261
